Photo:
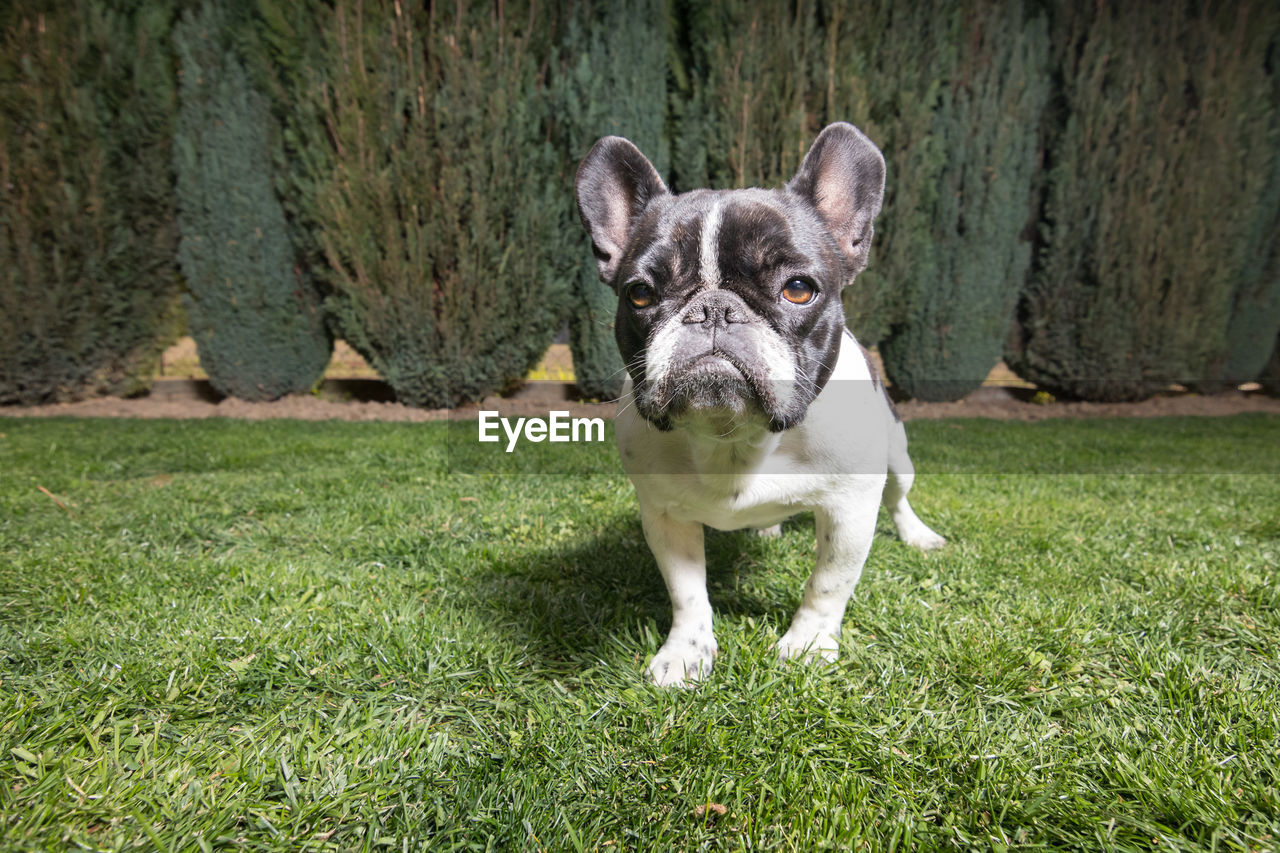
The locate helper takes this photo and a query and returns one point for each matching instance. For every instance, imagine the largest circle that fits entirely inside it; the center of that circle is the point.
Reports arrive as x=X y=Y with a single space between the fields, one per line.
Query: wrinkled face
x=729 y=301
x=729 y=308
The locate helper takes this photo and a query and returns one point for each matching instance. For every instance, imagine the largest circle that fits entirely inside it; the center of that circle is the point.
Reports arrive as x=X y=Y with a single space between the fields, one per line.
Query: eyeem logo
x=558 y=426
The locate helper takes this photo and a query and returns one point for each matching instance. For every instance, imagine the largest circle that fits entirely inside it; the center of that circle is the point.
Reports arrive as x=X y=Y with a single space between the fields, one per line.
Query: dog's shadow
x=570 y=605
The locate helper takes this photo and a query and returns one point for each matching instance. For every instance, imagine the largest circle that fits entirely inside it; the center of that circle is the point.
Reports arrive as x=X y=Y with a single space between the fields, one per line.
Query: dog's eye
x=799 y=291
x=641 y=295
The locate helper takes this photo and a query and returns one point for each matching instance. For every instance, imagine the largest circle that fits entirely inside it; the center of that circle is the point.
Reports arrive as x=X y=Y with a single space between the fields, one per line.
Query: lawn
x=302 y=636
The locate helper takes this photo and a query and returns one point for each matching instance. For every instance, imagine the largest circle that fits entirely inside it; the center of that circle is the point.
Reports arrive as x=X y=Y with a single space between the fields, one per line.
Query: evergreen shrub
x=435 y=193
x=1269 y=376
x=88 y=279
x=1255 y=300
x=885 y=69
x=971 y=249
x=282 y=46
x=951 y=93
x=1161 y=202
x=251 y=306
x=753 y=92
x=602 y=90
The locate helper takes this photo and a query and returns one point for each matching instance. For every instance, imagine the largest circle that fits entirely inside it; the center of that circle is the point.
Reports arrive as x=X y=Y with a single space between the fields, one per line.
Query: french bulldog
x=747 y=400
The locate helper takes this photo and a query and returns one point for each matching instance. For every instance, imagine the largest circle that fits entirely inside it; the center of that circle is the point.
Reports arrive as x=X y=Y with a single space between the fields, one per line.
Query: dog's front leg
x=844 y=540
x=690 y=648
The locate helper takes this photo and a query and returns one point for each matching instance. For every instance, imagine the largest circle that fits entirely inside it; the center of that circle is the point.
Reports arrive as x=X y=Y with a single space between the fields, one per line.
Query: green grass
x=295 y=636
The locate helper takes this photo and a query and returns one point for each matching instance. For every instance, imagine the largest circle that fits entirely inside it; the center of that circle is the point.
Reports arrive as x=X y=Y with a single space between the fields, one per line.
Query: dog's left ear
x=842 y=176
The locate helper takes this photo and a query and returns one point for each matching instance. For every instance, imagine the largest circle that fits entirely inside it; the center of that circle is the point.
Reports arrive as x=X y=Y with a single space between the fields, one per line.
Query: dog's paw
x=769 y=532
x=924 y=539
x=916 y=533
x=683 y=661
x=808 y=646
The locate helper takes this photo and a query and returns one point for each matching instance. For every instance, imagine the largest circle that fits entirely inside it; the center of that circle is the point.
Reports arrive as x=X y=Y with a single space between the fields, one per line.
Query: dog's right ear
x=615 y=184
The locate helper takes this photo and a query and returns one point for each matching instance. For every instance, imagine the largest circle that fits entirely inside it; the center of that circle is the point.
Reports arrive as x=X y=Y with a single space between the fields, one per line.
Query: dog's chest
x=728 y=502
x=828 y=461
x=724 y=487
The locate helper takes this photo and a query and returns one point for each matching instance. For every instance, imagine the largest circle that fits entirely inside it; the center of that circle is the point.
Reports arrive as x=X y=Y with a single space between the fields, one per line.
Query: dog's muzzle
x=714 y=357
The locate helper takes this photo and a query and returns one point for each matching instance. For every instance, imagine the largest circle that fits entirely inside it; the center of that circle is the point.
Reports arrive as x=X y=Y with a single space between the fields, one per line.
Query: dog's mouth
x=710 y=365
x=712 y=384
x=736 y=373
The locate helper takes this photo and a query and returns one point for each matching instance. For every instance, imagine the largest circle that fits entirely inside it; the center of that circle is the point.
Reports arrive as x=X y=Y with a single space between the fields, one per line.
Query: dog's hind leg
x=902 y=473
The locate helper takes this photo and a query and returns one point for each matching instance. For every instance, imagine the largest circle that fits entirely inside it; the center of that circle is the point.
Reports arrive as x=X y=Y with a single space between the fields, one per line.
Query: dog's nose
x=714 y=312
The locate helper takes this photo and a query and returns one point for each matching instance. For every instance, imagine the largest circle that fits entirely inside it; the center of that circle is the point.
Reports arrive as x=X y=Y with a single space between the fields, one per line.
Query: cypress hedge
x=424 y=156
x=251 y=306
x=603 y=90
x=1269 y=375
x=960 y=270
x=1161 y=202
x=425 y=167
x=886 y=66
x=755 y=83
x=690 y=121
x=1255 y=303
x=951 y=93
x=752 y=93
x=88 y=279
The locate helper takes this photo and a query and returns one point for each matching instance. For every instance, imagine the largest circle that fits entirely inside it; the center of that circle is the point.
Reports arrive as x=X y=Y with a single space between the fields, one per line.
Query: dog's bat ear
x=842 y=176
x=615 y=183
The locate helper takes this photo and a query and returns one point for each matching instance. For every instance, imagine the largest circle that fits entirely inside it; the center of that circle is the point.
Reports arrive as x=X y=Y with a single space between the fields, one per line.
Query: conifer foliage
x=435 y=193
x=88 y=279
x=251 y=307
x=603 y=90
x=1269 y=376
x=972 y=248
x=953 y=95
x=753 y=95
x=1091 y=188
x=1161 y=203
x=886 y=67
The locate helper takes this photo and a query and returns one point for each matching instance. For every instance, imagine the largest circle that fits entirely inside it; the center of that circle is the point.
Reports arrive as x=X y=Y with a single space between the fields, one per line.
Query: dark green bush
x=966 y=261
x=886 y=66
x=251 y=306
x=602 y=90
x=951 y=93
x=88 y=279
x=1160 y=203
x=753 y=90
x=756 y=83
x=436 y=198
x=1269 y=375
x=425 y=162
x=1255 y=302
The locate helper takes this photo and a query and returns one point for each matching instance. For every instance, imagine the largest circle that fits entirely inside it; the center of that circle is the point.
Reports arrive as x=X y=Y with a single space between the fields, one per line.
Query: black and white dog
x=747 y=399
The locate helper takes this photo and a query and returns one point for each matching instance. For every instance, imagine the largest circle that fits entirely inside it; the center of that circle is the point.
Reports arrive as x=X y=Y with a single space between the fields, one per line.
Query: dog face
x=729 y=303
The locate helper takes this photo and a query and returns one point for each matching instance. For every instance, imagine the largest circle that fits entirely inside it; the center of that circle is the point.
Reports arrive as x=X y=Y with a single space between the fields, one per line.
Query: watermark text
x=556 y=427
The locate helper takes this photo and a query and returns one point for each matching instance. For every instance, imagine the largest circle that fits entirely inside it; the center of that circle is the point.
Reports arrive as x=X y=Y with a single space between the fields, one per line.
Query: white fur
x=662 y=349
x=709 y=254
x=835 y=463
x=782 y=366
